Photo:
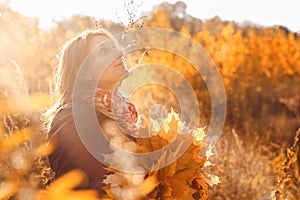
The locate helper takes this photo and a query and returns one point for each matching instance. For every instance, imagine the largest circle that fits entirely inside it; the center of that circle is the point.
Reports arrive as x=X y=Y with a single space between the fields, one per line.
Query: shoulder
x=62 y=119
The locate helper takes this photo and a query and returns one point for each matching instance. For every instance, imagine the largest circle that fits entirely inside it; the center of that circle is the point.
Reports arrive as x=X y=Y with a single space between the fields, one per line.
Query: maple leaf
x=180 y=188
x=211 y=179
x=176 y=180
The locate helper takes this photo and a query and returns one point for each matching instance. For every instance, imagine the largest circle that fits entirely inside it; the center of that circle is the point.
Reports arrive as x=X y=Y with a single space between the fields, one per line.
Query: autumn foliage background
x=260 y=67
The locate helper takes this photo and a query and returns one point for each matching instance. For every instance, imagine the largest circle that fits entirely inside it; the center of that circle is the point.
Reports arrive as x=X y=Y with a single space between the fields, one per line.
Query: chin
x=121 y=78
x=125 y=74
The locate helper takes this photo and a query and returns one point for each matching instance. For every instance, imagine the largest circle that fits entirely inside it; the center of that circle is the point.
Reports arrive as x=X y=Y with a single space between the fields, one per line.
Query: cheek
x=111 y=75
x=118 y=75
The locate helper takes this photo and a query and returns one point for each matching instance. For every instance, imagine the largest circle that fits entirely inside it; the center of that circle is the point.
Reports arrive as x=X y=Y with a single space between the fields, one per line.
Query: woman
x=69 y=152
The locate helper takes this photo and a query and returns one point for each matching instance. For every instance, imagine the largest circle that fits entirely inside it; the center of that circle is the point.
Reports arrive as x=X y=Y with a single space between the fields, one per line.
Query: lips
x=117 y=62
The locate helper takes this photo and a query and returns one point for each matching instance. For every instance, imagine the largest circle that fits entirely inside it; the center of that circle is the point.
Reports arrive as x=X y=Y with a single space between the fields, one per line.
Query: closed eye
x=101 y=51
x=106 y=48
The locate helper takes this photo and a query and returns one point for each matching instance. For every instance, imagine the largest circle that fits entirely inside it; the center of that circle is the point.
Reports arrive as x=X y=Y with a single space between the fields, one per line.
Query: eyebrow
x=111 y=37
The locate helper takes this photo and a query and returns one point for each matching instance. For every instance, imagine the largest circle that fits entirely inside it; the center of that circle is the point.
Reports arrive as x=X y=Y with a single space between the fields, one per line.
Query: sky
x=259 y=12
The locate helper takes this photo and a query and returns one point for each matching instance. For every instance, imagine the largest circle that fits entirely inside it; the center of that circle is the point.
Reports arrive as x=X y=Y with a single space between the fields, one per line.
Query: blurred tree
x=259 y=65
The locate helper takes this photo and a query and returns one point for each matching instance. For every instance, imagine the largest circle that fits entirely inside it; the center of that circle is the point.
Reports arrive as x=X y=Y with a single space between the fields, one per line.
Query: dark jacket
x=70 y=153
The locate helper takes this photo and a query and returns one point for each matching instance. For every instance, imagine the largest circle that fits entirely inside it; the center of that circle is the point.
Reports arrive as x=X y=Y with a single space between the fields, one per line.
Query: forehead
x=95 y=40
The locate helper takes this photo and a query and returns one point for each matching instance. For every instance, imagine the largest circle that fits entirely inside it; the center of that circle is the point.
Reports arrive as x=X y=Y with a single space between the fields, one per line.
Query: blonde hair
x=70 y=58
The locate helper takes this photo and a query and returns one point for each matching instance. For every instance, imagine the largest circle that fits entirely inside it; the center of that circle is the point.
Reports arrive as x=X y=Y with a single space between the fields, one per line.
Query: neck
x=109 y=86
x=106 y=86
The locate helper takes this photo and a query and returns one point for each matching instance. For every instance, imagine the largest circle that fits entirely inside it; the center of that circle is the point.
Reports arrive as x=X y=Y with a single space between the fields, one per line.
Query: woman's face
x=106 y=52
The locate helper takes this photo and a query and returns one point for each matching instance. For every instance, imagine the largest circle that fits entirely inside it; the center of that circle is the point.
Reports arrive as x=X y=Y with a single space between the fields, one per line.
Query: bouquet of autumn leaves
x=183 y=178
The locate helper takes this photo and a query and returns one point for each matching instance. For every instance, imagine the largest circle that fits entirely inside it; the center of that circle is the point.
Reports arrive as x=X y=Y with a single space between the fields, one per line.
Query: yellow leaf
x=291 y=155
x=211 y=179
x=2 y=129
x=184 y=174
x=148 y=186
x=157 y=142
x=207 y=163
x=168 y=136
x=198 y=135
x=14 y=139
x=184 y=159
x=7 y=189
x=113 y=180
x=180 y=188
x=26 y=103
x=171 y=122
x=62 y=188
x=167 y=191
x=167 y=171
x=44 y=149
